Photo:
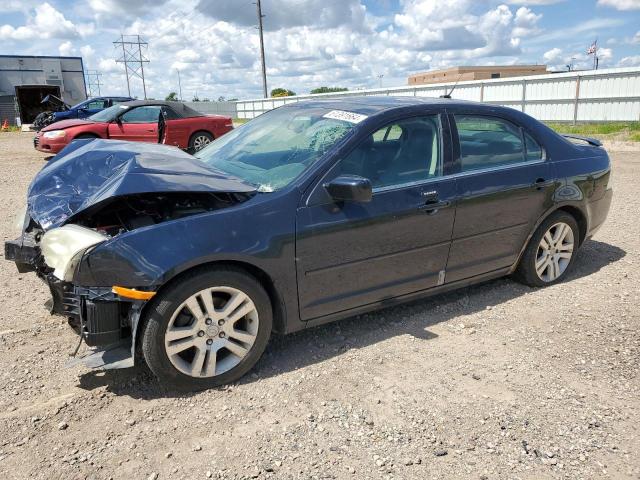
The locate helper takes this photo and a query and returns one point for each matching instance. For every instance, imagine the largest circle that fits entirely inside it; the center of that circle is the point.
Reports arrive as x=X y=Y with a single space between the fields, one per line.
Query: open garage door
x=29 y=98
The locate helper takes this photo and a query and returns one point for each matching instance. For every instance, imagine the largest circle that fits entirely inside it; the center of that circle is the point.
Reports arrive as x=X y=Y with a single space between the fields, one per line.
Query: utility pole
x=380 y=78
x=93 y=83
x=264 y=68
x=133 y=59
x=179 y=85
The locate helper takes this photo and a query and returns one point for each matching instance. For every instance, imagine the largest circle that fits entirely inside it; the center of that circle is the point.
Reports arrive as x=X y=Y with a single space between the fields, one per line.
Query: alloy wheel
x=554 y=252
x=200 y=142
x=211 y=332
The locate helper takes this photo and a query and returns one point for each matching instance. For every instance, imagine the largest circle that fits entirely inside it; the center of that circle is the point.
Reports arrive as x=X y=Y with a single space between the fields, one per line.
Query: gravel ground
x=493 y=381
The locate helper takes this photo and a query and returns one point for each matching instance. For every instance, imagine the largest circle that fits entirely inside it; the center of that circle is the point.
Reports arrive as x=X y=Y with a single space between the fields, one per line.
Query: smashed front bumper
x=105 y=321
x=23 y=251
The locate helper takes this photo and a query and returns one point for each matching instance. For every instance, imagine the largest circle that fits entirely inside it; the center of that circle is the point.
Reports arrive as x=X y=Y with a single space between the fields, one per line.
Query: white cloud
x=553 y=56
x=534 y=2
x=590 y=26
x=288 y=13
x=621 y=4
x=123 y=7
x=42 y=23
x=633 y=61
x=526 y=22
x=66 y=49
x=308 y=43
x=636 y=38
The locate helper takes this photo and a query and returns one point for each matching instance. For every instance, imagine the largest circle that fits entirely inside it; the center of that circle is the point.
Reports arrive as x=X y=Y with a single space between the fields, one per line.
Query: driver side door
x=352 y=254
x=139 y=124
x=92 y=107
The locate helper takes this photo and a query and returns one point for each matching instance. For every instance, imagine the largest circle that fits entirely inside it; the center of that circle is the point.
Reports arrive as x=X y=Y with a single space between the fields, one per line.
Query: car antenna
x=448 y=95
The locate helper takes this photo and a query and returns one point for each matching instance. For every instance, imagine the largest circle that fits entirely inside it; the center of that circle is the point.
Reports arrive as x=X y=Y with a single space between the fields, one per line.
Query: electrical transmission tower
x=93 y=83
x=133 y=58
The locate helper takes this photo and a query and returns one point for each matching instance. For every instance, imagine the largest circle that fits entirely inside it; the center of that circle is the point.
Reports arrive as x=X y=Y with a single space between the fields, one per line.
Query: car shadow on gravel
x=315 y=345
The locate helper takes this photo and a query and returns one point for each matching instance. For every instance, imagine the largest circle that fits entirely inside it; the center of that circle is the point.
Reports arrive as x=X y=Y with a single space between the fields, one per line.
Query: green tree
x=328 y=90
x=282 y=92
x=172 y=97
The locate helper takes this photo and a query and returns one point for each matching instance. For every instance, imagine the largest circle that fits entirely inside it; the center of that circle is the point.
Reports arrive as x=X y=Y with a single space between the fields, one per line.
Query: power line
x=264 y=68
x=133 y=58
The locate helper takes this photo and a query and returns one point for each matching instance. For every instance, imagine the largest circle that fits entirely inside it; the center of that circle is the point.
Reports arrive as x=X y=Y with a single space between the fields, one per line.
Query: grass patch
x=631 y=130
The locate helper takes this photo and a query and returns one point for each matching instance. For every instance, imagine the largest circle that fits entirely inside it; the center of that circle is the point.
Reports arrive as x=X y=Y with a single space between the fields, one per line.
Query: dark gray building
x=25 y=80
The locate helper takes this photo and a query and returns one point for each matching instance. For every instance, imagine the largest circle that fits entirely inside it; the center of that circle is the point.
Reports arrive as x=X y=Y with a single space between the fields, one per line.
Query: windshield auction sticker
x=346 y=116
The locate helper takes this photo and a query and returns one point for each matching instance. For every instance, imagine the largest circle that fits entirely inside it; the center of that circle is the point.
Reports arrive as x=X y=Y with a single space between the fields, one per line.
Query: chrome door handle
x=541 y=183
x=431 y=208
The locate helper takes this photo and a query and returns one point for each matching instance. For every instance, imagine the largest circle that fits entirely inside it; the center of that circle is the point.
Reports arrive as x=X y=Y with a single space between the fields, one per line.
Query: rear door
x=352 y=254
x=504 y=185
x=139 y=124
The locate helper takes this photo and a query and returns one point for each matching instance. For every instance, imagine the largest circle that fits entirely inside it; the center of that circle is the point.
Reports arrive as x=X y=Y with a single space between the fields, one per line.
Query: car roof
x=375 y=104
x=178 y=107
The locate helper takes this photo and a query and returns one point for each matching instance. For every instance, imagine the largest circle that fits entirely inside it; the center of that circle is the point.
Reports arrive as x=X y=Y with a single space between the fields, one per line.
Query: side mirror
x=350 y=188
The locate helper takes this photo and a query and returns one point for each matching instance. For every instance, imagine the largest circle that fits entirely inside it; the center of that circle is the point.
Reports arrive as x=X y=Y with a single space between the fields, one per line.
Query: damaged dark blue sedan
x=309 y=213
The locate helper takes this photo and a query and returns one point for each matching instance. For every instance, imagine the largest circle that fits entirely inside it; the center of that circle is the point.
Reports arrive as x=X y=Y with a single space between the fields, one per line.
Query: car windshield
x=276 y=147
x=108 y=114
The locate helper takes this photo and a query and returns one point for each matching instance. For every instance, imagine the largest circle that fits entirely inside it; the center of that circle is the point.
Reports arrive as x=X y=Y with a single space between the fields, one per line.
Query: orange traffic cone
x=5 y=125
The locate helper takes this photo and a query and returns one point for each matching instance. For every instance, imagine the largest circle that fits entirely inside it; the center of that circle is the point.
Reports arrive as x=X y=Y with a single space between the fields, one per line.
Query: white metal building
x=26 y=80
x=588 y=96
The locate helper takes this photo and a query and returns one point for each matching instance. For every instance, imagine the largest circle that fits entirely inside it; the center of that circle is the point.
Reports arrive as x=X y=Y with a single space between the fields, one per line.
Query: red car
x=171 y=123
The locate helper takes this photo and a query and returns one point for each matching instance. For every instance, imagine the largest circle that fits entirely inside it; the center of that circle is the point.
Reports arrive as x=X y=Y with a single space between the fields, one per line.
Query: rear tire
x=550 y=252
x=199 y=140
x=190 y=342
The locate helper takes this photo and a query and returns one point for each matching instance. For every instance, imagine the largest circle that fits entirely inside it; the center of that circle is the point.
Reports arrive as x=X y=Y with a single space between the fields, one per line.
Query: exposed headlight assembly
x=63 y=248
x=54 y=134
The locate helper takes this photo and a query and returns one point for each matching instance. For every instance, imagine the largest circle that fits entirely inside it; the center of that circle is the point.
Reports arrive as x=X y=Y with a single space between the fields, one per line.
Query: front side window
x=146 y=114
x=108 y=114
x=403 y=152
x=273 y=149
x=95 y=105
x=487 y=142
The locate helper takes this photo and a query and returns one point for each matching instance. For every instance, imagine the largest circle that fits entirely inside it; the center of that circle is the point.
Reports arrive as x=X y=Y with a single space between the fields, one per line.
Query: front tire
x=207 y=330
x=550 y=252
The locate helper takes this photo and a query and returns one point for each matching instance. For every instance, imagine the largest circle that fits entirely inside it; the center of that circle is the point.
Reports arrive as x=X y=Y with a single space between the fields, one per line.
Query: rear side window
x=534 y=150
x=487 y=142
x=169 y=114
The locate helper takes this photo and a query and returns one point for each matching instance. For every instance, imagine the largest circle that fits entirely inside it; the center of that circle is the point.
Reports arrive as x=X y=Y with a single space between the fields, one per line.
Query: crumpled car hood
x=89 y=172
